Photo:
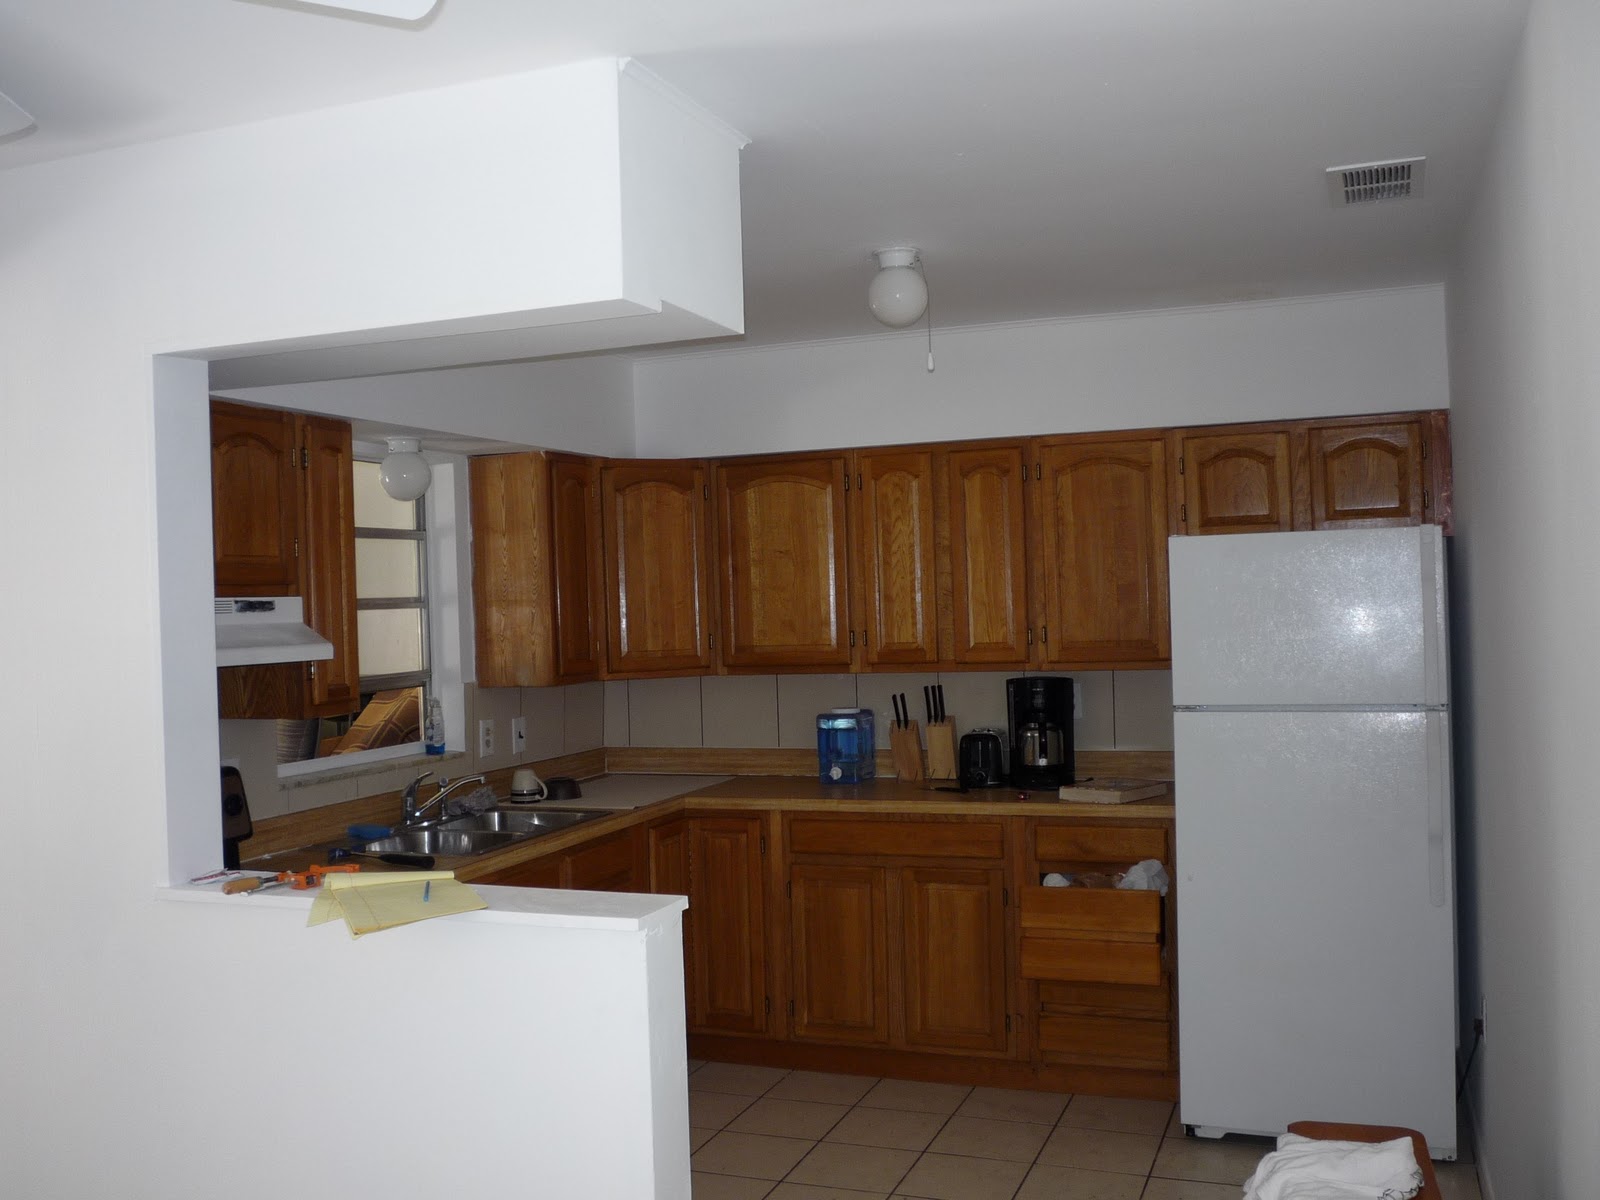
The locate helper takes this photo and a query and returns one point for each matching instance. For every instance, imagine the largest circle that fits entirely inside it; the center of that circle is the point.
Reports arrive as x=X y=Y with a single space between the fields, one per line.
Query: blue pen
x=426 y=888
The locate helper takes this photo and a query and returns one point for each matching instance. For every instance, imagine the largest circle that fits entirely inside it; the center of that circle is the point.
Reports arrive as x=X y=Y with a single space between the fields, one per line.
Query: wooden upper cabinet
x=1234 y=481
x=534 y=538
x=575 y=559
x=1101 y=508
x=894 y=567
x=1368 y=474
x=657 y=567
x=329 y=572
x=989 y=584
x=781 y=539
x=255 y=500
x=283 y=501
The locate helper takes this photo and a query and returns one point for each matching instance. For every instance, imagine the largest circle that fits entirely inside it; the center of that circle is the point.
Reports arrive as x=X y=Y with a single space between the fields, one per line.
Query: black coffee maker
x=1040 y=708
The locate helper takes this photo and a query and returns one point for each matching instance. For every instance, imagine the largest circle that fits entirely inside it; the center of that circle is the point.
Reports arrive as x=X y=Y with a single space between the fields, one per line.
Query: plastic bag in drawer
x=1146 y=876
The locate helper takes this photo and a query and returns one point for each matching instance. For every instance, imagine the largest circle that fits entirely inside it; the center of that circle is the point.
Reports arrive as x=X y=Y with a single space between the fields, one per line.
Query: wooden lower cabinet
x=953 y=972
x=839 y=942
x=727 y=983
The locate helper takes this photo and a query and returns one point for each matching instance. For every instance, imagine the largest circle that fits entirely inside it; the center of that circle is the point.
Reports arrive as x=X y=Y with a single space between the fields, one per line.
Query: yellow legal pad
x=383 y=900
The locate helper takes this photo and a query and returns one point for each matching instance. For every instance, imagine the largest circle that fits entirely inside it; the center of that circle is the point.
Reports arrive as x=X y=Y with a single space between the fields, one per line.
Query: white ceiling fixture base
x=397 y=10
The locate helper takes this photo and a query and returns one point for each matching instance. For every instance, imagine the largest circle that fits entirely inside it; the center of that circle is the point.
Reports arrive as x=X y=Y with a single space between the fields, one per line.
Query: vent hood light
x=252 y=630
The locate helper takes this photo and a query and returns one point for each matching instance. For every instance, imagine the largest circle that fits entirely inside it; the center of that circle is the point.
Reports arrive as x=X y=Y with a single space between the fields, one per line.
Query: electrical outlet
x=519 y=735
x=486 y=738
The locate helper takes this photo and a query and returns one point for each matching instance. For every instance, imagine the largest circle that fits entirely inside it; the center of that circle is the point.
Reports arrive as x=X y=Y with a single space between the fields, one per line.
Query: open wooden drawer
x=1091 y=935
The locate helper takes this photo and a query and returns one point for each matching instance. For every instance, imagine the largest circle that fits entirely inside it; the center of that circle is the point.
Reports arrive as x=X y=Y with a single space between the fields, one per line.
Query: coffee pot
x=1040 y=711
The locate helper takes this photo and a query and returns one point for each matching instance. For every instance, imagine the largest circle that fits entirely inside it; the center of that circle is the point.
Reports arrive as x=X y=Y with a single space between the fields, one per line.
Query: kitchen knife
x=255 y=883
x=938 y=699
x=899 y=718
x=927 y=701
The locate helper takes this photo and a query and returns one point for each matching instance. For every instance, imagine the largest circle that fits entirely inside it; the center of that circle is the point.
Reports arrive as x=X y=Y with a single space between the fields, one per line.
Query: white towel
x=1306 y=1169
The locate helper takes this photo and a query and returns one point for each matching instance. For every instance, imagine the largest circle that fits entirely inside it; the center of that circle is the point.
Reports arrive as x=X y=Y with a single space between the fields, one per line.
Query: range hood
x=266 y=629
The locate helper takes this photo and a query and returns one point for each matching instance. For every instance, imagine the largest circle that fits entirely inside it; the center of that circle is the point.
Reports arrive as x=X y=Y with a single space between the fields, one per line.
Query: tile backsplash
x=1121 y=710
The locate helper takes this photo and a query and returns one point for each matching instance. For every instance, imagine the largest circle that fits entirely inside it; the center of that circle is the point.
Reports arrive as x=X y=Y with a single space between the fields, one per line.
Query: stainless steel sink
x=524 y=822
x=438 y=840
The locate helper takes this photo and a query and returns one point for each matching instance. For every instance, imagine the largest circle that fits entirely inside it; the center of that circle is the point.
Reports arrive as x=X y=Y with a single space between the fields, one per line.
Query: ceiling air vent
x=1362 y=183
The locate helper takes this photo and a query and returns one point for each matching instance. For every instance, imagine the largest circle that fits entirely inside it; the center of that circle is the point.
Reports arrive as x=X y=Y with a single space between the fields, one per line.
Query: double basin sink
x=482 y=832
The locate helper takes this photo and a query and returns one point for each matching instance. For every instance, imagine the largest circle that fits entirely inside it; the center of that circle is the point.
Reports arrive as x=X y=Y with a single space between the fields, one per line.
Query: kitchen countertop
x=625 y=796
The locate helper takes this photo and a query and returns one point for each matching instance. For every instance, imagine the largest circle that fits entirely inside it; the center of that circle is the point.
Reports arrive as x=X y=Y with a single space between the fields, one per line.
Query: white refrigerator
x=1315 y=885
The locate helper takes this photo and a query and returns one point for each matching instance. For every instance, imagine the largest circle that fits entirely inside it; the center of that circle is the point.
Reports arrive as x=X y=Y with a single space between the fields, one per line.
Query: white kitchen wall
x=462 y=202
x=1318 y=356
x=1525 y=366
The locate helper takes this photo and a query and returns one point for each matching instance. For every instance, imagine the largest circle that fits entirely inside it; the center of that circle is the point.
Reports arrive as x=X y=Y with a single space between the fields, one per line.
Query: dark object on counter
x=236 y=824
x=422 y=862
x=1040 y=708
x=982 y=761
x=562 y=787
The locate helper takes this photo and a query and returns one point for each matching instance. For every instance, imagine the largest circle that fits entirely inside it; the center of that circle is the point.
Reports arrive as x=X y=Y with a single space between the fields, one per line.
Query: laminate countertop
x=890 y=795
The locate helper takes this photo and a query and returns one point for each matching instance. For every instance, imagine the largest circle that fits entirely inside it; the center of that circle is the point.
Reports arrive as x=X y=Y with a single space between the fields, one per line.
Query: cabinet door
x=1365 y=475
x=657 y=597
x=667 y=860
x=894 y=558
x=329 y=575
x=574 y=558
x=953 y=958
x=728 y=987
x=608 y=865
x=1235 y=482
x=782 y=544
x=255 y=501
x=988 y=575
x=838 y=917
x=534 y=536
x=1103 y=519
x=540 y=873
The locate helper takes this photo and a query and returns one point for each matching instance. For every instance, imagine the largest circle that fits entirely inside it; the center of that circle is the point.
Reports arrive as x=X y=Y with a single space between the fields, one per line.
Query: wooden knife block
x=905 y=745
x=941 y=750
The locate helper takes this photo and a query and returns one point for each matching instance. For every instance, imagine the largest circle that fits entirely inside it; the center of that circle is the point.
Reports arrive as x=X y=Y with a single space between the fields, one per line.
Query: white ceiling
x=1051 y=157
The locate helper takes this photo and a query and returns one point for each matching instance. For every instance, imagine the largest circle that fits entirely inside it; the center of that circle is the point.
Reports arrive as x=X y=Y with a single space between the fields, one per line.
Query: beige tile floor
x=761 y=1133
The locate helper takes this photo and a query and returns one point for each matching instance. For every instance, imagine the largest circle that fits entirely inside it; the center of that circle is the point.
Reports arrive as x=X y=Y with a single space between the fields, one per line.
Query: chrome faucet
x=413 y=812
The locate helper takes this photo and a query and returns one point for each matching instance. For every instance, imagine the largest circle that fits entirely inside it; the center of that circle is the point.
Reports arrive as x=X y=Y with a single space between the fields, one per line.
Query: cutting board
x=1114 y=791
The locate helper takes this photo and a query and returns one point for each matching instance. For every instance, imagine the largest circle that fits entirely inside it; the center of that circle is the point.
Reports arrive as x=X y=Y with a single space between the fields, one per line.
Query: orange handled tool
x=299 y=880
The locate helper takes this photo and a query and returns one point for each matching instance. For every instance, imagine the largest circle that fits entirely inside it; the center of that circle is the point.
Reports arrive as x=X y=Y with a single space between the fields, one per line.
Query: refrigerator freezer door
x=1316 y=965
x=1335 y=617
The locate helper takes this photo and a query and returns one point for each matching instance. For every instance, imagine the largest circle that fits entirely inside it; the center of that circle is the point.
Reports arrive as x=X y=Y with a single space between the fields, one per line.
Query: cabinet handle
x=1425 y=498
x=1183 y=513
x=852 y=639
x=1030 y=635
x=1044 y=635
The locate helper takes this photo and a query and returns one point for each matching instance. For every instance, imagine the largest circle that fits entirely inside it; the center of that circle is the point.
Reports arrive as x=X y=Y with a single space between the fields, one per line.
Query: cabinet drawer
x=1106 y=999
x=1103 y=912
x=1098 y=843
x=1088 y=961
x=897 y=839
x=1106 y=1041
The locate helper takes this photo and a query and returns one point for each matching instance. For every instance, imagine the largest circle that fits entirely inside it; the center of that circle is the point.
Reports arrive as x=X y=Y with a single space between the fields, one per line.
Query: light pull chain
x=921 y=266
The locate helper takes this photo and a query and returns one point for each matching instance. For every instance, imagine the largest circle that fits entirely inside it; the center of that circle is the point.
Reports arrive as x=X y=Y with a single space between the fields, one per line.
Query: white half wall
x=1525 y=365
x=1322 y=356
x=125 y=1047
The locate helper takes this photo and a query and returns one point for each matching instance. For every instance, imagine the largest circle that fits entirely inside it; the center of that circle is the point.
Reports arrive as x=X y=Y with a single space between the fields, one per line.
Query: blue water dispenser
x=846 y=746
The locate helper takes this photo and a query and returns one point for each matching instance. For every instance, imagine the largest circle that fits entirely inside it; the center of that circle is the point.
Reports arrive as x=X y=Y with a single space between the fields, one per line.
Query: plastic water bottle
x=433 y=728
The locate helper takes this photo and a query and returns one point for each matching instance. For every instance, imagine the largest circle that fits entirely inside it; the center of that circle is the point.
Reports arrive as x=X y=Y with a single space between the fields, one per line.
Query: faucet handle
x=411 y=788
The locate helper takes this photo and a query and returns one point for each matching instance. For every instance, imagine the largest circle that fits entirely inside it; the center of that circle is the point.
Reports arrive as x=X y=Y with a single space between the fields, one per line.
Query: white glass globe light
x=898 y=294
x=404 y=473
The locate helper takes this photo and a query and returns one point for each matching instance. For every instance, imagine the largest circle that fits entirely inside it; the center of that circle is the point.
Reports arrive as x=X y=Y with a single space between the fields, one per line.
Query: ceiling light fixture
x=14 y=118
x=898 y=294
x=394 y=10
x=405 y=474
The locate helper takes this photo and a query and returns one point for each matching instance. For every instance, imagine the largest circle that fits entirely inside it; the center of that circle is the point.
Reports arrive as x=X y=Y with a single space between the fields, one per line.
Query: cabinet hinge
x=1424 y=451
x=1180 y=464
x=1426 y=500
x=297 y=547
x=1183 y=512
x=705 y=491
x=1008 y=1022
x=711 y=641
x=790 y=887
x=791 y=1008
x=852 y=639
x=1044 y=635
x=763 y=843
x=1005 y=897
x=858 y=482
x=766 y=1004
x=1038 y=471
x=847 y=481
x=1030 y=635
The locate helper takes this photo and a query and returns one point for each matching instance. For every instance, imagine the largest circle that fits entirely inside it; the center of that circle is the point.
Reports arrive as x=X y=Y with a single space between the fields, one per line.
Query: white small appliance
x=1315 y=887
